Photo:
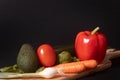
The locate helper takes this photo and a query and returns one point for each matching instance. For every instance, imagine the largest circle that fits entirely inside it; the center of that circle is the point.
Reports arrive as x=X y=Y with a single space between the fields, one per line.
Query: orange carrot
x=71 y=67
x=75 y=67
x=89 y=64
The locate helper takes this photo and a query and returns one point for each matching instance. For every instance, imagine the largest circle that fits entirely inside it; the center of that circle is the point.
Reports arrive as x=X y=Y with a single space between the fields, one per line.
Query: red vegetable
x=91 y=45
x=46 y=55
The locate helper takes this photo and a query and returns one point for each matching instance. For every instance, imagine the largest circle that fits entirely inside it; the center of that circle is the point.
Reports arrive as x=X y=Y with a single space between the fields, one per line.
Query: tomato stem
x=95 y=30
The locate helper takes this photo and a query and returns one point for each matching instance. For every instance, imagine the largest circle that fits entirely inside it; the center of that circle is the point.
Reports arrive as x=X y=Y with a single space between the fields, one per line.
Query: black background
x=53 y=21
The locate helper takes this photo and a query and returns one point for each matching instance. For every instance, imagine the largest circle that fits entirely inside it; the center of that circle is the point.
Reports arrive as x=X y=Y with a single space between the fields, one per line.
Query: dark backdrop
x=53 y=21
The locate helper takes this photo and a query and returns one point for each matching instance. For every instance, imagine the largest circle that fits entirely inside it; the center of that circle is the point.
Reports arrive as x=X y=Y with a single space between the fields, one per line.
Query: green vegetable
x=13 y=68
x=69 y=49
x=75 y=59
x=47 y=73
x=40 y=69
x=64 y=57
x=27 y=59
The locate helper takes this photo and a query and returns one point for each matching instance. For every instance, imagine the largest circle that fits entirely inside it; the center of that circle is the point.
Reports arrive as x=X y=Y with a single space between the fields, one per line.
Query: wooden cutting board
x=110 y=54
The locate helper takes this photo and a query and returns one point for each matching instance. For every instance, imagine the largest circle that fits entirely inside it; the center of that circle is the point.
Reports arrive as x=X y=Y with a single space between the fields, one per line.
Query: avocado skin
x=27 y=59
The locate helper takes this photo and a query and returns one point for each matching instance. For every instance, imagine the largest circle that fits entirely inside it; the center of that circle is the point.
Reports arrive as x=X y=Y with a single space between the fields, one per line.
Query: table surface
x=112 y=73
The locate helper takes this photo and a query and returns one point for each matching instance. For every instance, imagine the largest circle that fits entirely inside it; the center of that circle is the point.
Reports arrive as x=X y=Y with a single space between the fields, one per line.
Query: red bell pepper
x=91 y=45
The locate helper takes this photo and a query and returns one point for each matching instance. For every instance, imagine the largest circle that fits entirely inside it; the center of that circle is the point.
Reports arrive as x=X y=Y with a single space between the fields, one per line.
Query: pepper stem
x=95 y=30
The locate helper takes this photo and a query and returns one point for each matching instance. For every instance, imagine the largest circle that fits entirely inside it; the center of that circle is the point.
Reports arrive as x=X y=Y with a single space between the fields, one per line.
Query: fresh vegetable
x=75 y=59
x=46 y=55
x=46 y=73
x=75 y=67
x=27 y=59
x=89 y=64
x=14 y=68
x=91 y=45
x=64 y=57
x=40 y=69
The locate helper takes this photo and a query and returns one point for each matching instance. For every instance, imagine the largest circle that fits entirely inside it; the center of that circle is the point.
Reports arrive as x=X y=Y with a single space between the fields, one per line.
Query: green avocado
x=27 y=58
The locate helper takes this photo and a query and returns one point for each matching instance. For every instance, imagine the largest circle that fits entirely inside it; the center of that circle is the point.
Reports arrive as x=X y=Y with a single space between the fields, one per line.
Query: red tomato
x=46 y=55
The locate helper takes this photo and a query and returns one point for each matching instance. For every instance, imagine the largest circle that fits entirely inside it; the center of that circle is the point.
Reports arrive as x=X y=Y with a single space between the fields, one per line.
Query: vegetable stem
x=24 y=75
x=95 y=30
x=46 y=73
